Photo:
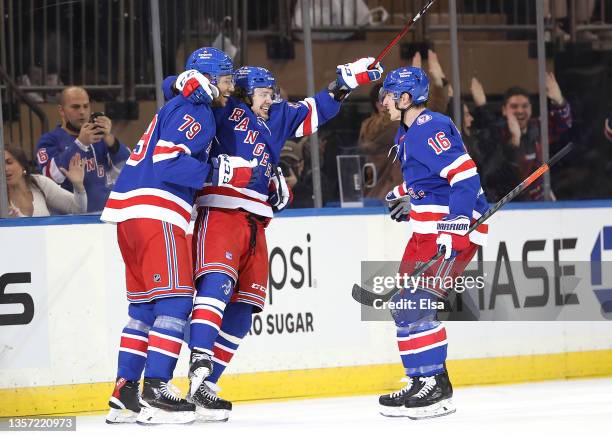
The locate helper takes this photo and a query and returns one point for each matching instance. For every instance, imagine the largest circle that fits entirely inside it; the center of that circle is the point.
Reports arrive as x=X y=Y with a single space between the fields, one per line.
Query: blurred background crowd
x=84 y=70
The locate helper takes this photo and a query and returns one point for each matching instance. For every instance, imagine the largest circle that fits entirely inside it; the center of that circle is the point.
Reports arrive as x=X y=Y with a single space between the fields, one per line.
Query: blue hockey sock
x=236 y=324
x=134 y=341
x=133 y=350
x=213 y=292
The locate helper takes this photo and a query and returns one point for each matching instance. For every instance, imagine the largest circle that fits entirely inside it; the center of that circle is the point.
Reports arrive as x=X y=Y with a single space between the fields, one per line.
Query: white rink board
x=80 y=306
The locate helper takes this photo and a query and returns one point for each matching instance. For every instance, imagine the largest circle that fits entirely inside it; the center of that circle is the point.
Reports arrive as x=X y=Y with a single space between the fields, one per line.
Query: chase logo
x=604 y=295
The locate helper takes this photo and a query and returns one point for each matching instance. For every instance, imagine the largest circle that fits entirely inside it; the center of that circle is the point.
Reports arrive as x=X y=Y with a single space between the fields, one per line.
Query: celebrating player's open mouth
x=262 y=100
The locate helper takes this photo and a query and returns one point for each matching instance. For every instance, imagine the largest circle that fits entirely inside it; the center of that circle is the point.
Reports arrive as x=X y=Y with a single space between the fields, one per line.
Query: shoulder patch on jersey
x=423 y=119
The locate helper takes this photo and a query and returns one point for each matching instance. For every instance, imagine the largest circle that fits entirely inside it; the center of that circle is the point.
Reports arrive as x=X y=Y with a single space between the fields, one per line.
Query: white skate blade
x=116 y=416
x=197 y=379
x=208 y=415
x=442 y=408
x=156 y=416
x=438 y=409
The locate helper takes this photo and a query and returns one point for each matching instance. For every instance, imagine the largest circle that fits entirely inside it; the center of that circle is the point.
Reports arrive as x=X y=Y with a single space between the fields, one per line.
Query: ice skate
x=391 y=405
x=200 y=368
x=433 y=398
x=209 y=406
x=124 y=402
x=161 y=404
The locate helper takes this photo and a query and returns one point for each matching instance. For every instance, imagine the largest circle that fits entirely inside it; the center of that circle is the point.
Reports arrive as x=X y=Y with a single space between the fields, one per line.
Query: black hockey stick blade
x=367 y=298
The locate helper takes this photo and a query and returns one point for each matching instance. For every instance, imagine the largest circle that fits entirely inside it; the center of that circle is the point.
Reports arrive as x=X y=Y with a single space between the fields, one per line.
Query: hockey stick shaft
x=401 y=34
x=366 y=297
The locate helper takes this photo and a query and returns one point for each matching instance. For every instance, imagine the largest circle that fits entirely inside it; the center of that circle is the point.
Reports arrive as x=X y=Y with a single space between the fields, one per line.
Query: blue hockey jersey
x=439 y=174
x=241 y=133
x=54 y=151
x=166 y=168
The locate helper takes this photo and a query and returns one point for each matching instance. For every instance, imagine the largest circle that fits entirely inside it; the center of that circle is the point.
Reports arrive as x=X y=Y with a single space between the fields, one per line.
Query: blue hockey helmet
x=411 y=80
x=211 y=61
x=249 y=78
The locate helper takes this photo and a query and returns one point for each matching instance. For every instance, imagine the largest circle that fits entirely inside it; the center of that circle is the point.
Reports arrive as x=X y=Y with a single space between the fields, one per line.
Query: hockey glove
x=452 y=235
x=398 y=202
x=280 y=194
x=196 y=87
x=233 y=171
x=353 y=74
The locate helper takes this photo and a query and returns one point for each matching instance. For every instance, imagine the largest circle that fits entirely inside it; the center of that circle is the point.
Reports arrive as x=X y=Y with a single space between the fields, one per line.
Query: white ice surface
x=559 y=408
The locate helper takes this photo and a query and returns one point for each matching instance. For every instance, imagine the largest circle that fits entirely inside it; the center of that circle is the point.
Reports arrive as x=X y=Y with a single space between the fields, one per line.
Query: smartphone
x=94 y=115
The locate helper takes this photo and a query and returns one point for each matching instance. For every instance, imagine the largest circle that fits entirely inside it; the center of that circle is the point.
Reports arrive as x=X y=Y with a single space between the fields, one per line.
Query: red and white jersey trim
x=233 y=198
x=147 y=203
x=424 y=220
x=311 y=122
x=229 y=190
x=460 y=169
x=168 y=150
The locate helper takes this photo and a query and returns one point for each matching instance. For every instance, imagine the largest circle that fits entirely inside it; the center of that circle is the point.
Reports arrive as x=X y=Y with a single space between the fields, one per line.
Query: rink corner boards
x=323 y=382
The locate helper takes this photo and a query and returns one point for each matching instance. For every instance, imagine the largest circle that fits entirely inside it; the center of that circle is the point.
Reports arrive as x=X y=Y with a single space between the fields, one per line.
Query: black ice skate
x=161 y=404
x=209 y=406
x=200 y=367
x=124 y=402
x=433 y=398
x=392 y=404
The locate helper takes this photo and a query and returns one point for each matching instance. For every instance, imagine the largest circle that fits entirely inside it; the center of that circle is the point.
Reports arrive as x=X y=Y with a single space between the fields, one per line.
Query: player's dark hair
x=242 y=95
x=374 y=93
x=22 y=159
x=515 y=91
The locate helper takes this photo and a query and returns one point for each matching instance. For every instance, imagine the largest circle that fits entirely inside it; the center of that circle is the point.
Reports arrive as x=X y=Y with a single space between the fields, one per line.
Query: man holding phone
x=89 y=135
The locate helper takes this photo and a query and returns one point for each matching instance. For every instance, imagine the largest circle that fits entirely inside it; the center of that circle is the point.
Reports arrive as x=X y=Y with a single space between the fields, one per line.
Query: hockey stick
x=403 y=32
x=366 y=297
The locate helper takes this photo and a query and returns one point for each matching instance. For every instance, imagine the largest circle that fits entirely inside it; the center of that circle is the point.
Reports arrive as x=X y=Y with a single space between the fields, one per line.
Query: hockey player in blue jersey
x=440 y=196
x=151 y=203
x=232 y=267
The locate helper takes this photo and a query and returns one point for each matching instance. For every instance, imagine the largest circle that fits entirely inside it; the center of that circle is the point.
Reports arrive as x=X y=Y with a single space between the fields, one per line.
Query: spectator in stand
x=377 y=133
x=292 y=162
x=516 y=138
x=295 y=163
x=34 y=195
x=91 y=138
x=439 y=88
x=558 y=11
x=488 y=155
x=376 y=136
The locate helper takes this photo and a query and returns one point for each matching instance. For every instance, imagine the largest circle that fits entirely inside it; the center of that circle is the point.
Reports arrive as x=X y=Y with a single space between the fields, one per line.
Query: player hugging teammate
x=441 y=196
x=223 y=142
x=231 y=267
x=151 y=203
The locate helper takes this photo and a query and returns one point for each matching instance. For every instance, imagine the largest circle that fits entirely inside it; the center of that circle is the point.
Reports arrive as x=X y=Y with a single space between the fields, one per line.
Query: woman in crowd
x=34 y=195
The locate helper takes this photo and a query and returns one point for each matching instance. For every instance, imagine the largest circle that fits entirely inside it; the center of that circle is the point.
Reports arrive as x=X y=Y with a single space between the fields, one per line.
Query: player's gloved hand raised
x=280 y=194
x=358 y=73
x=196 y=87
x=452 y=235
x=398 y=202
x=233 y=171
